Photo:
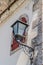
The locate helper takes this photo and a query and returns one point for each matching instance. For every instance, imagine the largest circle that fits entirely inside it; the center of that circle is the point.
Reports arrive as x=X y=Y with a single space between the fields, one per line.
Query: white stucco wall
x=5 y=39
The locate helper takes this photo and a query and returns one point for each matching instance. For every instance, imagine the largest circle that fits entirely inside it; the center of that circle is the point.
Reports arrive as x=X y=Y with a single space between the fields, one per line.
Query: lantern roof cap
x=19 y=22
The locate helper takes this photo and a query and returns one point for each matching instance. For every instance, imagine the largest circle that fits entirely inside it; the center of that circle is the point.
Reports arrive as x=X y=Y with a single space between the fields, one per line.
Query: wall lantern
x=19 y=28
x=19 y=32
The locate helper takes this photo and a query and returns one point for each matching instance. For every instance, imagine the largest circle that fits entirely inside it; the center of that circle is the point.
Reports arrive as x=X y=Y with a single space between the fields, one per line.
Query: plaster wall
x=6 y=37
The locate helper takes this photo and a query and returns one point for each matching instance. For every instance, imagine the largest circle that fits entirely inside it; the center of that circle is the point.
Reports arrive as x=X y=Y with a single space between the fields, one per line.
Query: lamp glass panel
x=15 y=29
x=21 y=29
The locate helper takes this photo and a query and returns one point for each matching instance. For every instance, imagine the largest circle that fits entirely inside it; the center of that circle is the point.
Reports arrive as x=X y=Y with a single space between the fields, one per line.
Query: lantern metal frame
x=17 y=22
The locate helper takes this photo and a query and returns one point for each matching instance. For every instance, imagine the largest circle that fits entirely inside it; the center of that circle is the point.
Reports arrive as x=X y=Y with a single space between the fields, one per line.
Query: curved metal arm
x=20 y=43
